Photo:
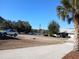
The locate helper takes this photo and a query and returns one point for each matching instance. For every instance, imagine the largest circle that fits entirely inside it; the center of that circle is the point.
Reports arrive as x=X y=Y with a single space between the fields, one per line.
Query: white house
x=70 y=32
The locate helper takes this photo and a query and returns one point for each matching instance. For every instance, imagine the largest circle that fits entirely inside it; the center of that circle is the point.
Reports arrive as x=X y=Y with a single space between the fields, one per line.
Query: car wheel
x=0 y=35
x=15 y=35
x=5 y=34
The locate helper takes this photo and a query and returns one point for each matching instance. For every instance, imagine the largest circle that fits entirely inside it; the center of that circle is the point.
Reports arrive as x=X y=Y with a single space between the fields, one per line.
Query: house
x=70 y=31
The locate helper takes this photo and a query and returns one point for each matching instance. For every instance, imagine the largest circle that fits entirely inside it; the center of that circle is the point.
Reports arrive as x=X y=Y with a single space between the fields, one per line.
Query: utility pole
x=39 y=29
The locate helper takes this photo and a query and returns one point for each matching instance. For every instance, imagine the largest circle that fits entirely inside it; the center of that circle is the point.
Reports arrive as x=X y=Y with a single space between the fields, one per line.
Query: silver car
x=8 y=32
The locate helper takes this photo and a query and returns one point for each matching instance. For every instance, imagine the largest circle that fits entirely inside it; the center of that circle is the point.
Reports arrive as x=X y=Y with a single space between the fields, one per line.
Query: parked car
x=30 y=33
x=63 y=35
x=45 y=34
x=8 y=32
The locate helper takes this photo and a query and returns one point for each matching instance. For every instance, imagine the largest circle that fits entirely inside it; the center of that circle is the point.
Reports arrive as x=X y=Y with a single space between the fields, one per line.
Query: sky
x=36 y=12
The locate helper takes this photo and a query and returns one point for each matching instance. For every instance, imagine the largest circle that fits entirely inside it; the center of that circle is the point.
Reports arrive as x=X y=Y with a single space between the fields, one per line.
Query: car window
x=12 y=31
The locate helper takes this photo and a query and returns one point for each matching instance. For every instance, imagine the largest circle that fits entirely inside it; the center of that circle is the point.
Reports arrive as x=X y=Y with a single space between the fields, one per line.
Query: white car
x=8 y=32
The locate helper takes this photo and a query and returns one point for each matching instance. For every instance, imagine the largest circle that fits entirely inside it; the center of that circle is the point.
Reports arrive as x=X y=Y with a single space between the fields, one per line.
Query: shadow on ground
x=8 y=38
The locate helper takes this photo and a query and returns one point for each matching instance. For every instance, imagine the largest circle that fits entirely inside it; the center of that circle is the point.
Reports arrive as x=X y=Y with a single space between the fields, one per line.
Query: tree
x=23 y=26
x=69 y=10
x=5 y=23
x=53 y=27
x=8 y=24
x=20 y=26
x=2 y=20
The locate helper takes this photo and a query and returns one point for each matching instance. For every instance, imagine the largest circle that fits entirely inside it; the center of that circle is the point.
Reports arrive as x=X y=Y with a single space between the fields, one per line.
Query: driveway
x=39 y=52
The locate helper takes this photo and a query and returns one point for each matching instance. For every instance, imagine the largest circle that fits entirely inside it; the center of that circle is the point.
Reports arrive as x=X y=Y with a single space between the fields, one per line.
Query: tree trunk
x=76 y=26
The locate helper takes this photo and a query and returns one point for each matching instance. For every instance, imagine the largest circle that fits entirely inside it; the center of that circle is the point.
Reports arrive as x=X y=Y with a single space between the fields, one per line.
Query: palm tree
x=69 y=10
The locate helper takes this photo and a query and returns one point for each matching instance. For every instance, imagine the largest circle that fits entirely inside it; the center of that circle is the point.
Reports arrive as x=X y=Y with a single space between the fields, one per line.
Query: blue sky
x=34 y=11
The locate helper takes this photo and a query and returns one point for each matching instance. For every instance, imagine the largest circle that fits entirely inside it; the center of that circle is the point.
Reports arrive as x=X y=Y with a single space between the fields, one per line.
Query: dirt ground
x=72 y=55
x=23 y=41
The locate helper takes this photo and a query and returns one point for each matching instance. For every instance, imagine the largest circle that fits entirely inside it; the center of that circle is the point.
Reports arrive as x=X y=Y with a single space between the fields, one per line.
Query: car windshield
x=12 y=30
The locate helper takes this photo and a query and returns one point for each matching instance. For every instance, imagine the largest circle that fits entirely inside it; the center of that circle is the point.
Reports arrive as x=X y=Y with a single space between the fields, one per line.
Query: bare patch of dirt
x=26 y=41
x=72 y=55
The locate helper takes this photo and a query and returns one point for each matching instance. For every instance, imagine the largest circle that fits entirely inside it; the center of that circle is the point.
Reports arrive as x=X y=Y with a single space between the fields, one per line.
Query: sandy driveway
x=40 y=52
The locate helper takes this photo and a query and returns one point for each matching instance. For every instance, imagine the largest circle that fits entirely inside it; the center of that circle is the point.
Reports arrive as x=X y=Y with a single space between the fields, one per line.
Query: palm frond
x=61 y=12
x=66 y=10
x=66 y=4
x=69 y=19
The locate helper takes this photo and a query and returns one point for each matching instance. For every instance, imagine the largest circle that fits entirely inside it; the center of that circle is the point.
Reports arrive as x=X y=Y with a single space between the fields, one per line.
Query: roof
x=68 y=30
